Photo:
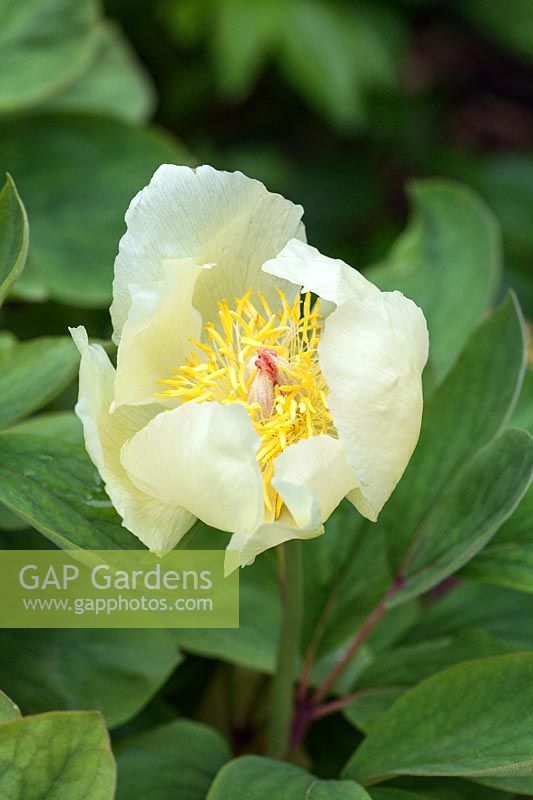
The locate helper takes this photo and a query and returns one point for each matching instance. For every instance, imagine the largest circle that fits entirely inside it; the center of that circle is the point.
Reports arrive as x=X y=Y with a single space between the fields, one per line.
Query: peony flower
x=236 y=398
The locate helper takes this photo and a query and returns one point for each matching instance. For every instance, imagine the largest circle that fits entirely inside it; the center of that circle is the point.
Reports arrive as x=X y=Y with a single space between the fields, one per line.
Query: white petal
x=312 y=477
x=372 y=354
x=271 y=534
x=213 y=217
x=329 y=278
x=158 y=525
x=155 y=337
x=201 y=456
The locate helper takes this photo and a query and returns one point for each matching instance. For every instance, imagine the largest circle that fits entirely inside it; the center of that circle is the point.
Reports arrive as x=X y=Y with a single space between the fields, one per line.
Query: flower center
x=268 y=362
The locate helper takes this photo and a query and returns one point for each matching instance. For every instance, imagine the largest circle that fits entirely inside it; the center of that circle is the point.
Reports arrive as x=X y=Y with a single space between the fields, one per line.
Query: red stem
x=334 y=705
x=310 y=707
x=360 y=637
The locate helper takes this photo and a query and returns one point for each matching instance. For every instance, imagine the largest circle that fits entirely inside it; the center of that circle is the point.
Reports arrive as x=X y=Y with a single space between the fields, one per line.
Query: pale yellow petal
x=210 y=216
x=330 y=278
x=202 y=457
x=372 y=354
x=156 y=336
x=158 y=525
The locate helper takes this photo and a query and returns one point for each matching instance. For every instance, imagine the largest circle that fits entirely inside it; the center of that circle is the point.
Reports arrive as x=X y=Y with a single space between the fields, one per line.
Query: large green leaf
x=328 y=79
x=354 y=48
x=258 y=778
x=33 y=373
x=386 y=793
x=408 y=664
x=523 y=414
x=444 y=789
x=508 y=558
x=370 y=705
x=176 y=760
x=243 y=35
x=254 y=643
x=394 y=671
x=8 y=710
x=514 y=785
x=14 y=236
x=481 y=496
x=448 y=261
x=346 y=574
x=115 y=672
x=505 y=180
x=470 y=407
x=115 y=82
x=10 y=521
x=81 y=172
x=430 y=730
x=502 y=613
x=54 y=487
x=59 y=756
x=63 y=425
x=44 y=47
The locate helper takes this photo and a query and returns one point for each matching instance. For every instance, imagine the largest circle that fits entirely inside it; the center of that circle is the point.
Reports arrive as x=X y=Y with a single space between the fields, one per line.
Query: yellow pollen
x=268 y=362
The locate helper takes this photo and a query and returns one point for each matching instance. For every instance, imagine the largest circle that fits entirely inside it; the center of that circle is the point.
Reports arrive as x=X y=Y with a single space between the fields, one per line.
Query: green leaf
x=10 y=521
x=254 y=643
x=257 y=778
x=33 y=373
x=446 y=789
x=111 y=161
x=503 y=613
x=448 y=260
x=346 y=574
x=61 y=756
x=430 y=729
x=481 y=496
x=115 y=82
x=54 y=487
x=14 y=236
x=523 y=414
x=327 y=79
x=408 y=664
x=176 y=760
x=514 y=785
x=8 y=710
x=243 y=35
x=508 y=558
x=113 y=671
x=63 y=425
x=44 y=47
x=469 y=409
x=370 y=705
x=385 y=793
x=392 y=672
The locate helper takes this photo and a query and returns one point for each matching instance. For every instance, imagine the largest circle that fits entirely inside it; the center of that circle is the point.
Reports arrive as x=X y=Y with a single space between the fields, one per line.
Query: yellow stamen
x=277 y=352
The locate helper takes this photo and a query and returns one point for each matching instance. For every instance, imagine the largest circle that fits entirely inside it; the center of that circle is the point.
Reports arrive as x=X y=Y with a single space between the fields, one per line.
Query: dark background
x=337 y=105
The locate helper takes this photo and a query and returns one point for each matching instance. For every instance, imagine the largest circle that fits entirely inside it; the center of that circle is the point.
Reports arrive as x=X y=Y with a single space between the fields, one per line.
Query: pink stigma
x=266 y=363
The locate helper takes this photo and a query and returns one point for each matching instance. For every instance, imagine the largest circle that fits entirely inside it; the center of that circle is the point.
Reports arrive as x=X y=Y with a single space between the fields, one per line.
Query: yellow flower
x=237 y=399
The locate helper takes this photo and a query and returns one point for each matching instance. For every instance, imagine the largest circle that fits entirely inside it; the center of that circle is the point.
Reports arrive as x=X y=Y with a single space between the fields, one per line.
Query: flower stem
x=281 y=701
